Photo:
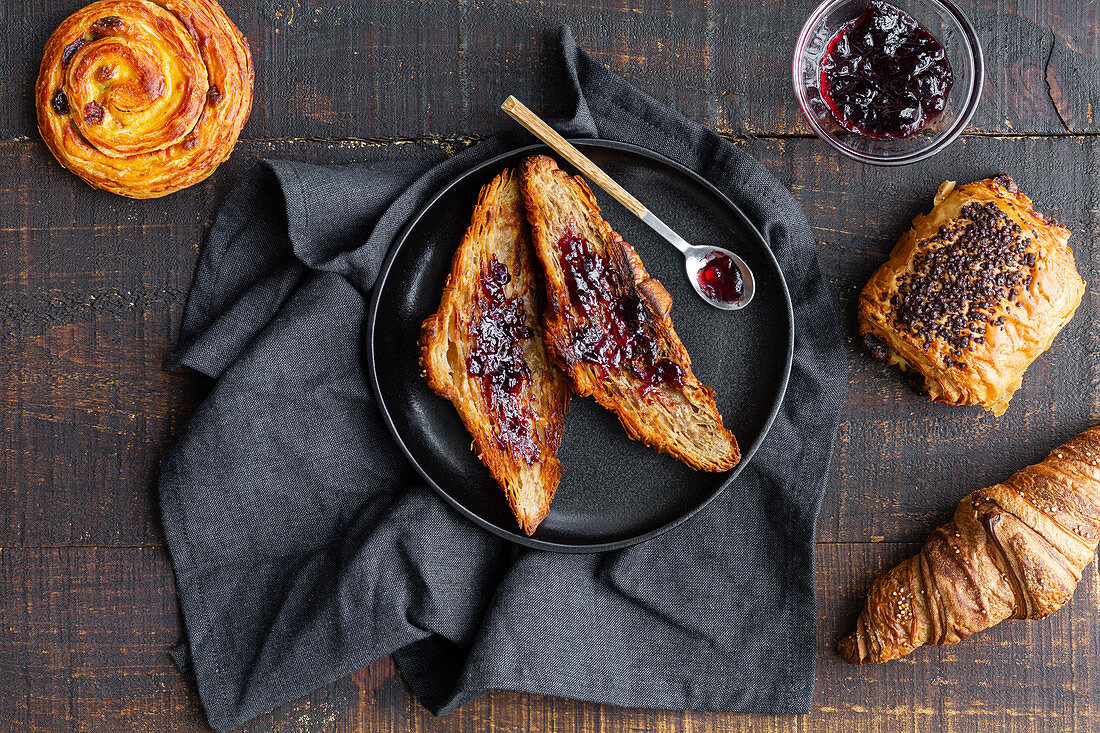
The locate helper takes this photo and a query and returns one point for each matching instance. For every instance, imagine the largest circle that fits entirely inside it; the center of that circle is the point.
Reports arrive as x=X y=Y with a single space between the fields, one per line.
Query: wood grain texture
x=84 y=634
x=91 y=291
x=440 y=67
x=901 y=463
x=92 y=288
x=83 y=642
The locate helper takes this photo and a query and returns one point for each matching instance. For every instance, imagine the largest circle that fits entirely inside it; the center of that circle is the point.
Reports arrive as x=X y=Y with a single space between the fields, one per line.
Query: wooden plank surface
x=84 y=639
x=92 y=288
x=402 y=68
x=88 y=319
x=90 y=311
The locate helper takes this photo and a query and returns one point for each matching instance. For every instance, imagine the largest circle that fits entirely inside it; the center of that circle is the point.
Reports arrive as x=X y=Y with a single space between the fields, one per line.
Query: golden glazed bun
x=144 y=98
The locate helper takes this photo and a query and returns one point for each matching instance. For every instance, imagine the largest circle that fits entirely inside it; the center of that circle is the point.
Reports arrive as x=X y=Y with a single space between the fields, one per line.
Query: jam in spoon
x=720 y=277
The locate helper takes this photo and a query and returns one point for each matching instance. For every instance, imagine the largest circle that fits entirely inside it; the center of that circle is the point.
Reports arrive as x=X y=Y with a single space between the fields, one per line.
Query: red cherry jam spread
x=720 y=279
x=617 y=331
x=883 y=75
x=496 y=359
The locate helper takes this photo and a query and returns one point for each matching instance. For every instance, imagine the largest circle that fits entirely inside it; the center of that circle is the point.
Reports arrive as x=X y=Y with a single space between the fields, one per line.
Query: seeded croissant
x=1014 y=550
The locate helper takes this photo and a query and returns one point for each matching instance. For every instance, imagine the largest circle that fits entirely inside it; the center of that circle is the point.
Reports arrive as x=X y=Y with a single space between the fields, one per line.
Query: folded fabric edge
x=600 y=693
x=588 y=74
x=419 y=663
x=199 y=657
x=195 y=312
x=293 y=690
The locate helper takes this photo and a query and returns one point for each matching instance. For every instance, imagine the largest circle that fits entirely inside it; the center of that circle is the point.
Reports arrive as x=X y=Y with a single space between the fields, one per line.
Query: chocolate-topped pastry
x=972 y=294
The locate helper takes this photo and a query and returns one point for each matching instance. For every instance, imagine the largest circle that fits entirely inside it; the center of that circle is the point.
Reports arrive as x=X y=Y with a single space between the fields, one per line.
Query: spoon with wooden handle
x=720 y=277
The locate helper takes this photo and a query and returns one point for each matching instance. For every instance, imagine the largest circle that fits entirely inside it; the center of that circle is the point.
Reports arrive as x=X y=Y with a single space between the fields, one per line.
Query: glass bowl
x=954 y=32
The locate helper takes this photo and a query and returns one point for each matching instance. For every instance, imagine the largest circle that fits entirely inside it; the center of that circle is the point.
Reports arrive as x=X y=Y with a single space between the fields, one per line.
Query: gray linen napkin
x=304 y=547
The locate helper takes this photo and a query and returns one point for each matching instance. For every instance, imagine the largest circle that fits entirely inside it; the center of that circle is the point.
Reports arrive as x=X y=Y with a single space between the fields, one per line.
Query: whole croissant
x=1014 y=550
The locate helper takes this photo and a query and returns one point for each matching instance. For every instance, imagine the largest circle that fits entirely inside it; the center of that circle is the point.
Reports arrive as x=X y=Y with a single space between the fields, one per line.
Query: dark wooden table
x=92 y=287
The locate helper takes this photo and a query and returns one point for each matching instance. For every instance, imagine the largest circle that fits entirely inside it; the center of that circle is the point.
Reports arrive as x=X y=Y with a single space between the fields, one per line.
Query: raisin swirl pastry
x=972 y=294
x=144 y=98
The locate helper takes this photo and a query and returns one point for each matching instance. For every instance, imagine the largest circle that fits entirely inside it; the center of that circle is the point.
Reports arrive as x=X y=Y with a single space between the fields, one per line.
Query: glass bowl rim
x=970 y=106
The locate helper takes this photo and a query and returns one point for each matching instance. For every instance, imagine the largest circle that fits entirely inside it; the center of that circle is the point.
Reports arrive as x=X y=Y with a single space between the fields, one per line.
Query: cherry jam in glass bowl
x=884 y=75
x=888 y=82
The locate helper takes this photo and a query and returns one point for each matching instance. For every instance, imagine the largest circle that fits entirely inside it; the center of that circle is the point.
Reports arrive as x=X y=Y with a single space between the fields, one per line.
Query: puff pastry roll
x=144 y=98
x=972 y=294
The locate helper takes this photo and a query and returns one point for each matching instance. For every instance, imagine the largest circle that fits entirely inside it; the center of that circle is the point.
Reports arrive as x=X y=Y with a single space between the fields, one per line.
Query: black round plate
x=614 y=492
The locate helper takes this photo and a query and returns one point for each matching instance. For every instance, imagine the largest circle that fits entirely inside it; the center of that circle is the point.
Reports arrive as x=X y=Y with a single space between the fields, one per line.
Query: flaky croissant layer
x=1013 y=550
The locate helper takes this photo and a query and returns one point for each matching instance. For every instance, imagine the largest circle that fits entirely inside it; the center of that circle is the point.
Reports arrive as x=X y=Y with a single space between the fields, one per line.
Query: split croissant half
x=1014 y=550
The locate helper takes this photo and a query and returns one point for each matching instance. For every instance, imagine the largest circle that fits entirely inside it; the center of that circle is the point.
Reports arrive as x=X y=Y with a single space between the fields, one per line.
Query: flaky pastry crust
x=972 y=294
x=516 y=431
x=681 y=420
x=144 y=98
x=1014 y=550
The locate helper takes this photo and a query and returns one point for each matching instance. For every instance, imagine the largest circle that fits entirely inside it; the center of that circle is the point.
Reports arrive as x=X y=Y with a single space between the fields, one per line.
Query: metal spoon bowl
x=695 y=256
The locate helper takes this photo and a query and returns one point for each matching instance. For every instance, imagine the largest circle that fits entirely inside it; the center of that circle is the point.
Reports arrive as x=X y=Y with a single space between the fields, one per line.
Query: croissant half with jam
x=483 y=351
x=607 y=324
x=1013 y=550
x=972 y=294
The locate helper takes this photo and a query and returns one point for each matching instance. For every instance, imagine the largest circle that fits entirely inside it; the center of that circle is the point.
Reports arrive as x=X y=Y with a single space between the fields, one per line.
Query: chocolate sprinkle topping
x=970 y=267
x=93 y=113
x=1005 y=180
x=60 y=102
x=70 y=51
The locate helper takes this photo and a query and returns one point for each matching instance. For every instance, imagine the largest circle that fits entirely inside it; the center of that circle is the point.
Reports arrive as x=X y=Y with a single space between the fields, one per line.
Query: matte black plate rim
x=372 y=318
